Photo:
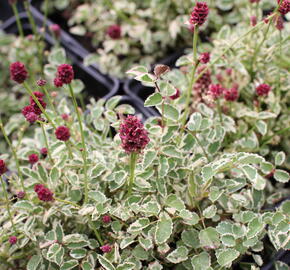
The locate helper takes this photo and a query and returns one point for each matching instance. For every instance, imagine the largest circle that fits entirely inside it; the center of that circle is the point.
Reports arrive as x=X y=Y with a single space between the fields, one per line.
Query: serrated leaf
x=171 y=151
x=227 y=256
x=255 y=226
x=148 y=158
x=175 y=202
x=178 y=255
x=105 y=263
x=163 y=230
x=113 y=102
x=34 y=262
x=190 y=238
x=209 y=237
x=170 y=112
x=281 y=176
x=280 y=158
x=68 y=265
x=153 y=100
x=201 y=261
x=209 y=212
x=194 y=122
x=78 y=253
x=126 y=266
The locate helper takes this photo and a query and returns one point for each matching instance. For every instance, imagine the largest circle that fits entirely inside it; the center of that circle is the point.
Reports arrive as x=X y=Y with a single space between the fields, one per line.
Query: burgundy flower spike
x=199 y=14
x=43 y=193
x=3 y=168
x=62 y=133
x=18 y=72
x=65 y=73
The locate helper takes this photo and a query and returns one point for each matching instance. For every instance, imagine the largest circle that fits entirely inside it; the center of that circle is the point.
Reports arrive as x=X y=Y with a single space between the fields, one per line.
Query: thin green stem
x=67 y=202
x=98 y=236
x=8 y=205
x=162 y=107
x=49 y=99
x=219 y=110
x=278 y=93
x=45 y=16
x=133 y=159
x=18 y=22
x=201 y=146
x=46 y=143
x=84 y=150
x=191 y=83
x=14 y=155
x=38 y=104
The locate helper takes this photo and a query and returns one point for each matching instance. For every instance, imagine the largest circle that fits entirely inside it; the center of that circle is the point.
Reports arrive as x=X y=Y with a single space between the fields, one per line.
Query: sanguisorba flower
x=133 y=135
x=57 y=82
x=13 y=240
x=39 y=97
x=65 y=73
x=43 y=193
x=106 y=248
x=18 y=72
x=41 y=82
x=44 y=152
x=284 y=7
x=216 y=90
x=33 y=158
x=199 y=14
x=3 y=167
x=55 y=29
x=106 y=219
x=204 y=58
x=263 y=89
x=62 y=133
x=21 y=194
x=231 y=94
x=114 y=31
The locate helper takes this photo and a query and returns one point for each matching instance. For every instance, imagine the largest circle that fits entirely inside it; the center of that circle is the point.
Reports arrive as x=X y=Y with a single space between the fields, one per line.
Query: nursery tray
x=96 y=84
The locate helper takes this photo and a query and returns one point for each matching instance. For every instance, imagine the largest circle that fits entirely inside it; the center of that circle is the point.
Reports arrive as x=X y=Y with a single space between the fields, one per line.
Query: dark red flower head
x=199 y=14
x=18 y=72
x=176 y=95
x=31 y=117
x=65 y=116
x=231 y=94
x=43 y=151
x=65 y=73
x=216 y=90
x=133 y=135
x=12 y=240
x=279 y=23
x=57 y=82
x=106 y=219
x=263 y=89
x=62 y=133
x=114 y=31
x=106 y=248
x=3 y=167
x=284 y=8
x=253 y=20
x=39 y=97
x=27 y=109
x=55 y=29
x=41 y=82
x=33 y=158
x=43 y=193
x=204 y=58
x=202 y=84
x=21 y=194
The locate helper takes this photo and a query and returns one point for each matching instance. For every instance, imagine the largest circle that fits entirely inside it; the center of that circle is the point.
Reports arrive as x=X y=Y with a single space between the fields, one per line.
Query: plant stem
x=67 y=202
x=219 y=110
x=45 y=16
x=14 y=155
x=133 y=159
x=7 y=204
x=46 y=142
x=98 y=236
x=278 y=93
x=195 y=64
x=49 y=99
x=38 y=104
x=162 y=107
x=84 y=152
x=18 y=22
x=201 y=146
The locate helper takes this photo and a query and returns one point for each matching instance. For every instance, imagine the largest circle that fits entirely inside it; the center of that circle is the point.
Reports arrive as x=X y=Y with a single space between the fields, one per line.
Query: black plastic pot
x=96 y=84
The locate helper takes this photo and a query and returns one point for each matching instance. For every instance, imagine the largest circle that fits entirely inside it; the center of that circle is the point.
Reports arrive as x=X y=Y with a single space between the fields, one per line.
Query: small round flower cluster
x=32 y=112
x=12 y=240
x=62 y=133
x=202 y=84
x=18 y=72
x=216 y=91
x=204 y=58
x=33 y=159
x=231 y=94
x=114 y=31
x=43 y=193
x=284 y=7
x=65 y=74
x=133 y=135
x=199 y=14
x=3 y=167
x=55 y=30
x=44 y=152
x=106 y=219
x=106 y=248
x=263 y=89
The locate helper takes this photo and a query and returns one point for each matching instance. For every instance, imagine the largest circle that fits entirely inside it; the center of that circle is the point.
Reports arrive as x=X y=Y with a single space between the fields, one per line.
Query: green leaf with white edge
x=57 y=56
x=23 y=205
x=175 y=202
x=105 y=263
x=171 y=151
x=54 y=175
x=78 y=253
x=194 y=122
x=209 y=237
x=209 y=212
x=262 y=127
x=148 y=158
x=255 y=227
x=97 y=196
x=97 y=170
x=226 y=257
x=259 y=183
x=145 y=78
x=280 y=158
x=207 y=173
x=281 y=176
x=68 y=265
x=178 y=255
x=190 y=238
x=126 y=266
x=190 y=218
x=250 y=172
x=87 y=266
x=34 y=263
x=201 y=261
x=170 y=112
x=113 y=102
x=145 y=243
x=137 y=70
x=215 y=193
x=77 y=86
x=163 y=230
x=59 y=232
x=228 y=240
x=205 y=110
x=139 y=225
x=166 y=89
x=153 y=100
